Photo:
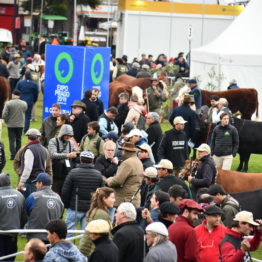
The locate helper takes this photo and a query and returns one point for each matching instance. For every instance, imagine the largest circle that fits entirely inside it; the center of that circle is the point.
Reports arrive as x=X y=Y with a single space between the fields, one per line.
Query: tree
x=60 y=7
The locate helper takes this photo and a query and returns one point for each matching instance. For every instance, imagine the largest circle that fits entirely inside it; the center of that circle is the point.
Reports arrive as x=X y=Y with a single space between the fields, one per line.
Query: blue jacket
x=232 y=86
x=29 y=90
x=64 y=251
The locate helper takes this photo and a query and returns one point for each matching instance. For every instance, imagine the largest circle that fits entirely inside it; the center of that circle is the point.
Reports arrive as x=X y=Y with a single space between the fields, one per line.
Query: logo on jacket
x=10 y=203
x=51 y=203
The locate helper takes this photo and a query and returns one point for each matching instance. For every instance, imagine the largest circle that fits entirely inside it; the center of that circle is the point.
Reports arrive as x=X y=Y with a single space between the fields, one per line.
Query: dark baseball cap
x=213 y=210
x=44 y=178
x=192 y=81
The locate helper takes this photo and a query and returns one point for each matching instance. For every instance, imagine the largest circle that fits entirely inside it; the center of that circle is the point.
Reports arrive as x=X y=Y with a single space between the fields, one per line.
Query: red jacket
x=183 y=235
x=229 y=253
x=208 y=242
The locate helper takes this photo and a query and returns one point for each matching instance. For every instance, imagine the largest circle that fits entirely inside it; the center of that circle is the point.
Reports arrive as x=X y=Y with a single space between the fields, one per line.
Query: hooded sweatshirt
x=64 y=251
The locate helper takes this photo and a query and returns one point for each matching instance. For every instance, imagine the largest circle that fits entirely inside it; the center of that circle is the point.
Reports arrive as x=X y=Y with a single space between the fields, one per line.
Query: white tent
x=235 y=54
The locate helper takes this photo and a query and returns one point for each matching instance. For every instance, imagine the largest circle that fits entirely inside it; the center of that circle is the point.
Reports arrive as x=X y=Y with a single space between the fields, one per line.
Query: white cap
x=157 y=227
x=204 y=148
x=145 y=147
x=134 y=132
x=165 y=163
x=179 y=120
x=150 y=172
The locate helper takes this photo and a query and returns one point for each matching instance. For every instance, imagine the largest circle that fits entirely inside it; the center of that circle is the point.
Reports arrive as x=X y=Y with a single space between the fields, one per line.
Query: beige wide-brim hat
x=204 y=148
x=128 y=146
x=245 y=216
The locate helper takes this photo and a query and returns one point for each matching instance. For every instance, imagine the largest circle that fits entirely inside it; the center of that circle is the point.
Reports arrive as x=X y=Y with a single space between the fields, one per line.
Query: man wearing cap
x=14 y=116
x=228 y=204
x=92 y=141
x=174 y=145
x=209 y=234
x=188 y=115
x=144 y=155
x=224 y=143
x=34 y=159
x=63 y=154
x=106 y=250
x=80 y=184
x=154 y=132
x=43 y=206
x=167 y=178
x=232 y=84
x=29 y=93
x=182 y=232
x=12 y=215
x=127 y=180
x=234 y=247
x=106 y=121
x=13 y=68
x=49 y=127
x=168 y=213
x=122 y=109
x=161 y=248
x=79 y=120
x=196 y=92
x=222 y=107
x=206 y=170
x=134 y=69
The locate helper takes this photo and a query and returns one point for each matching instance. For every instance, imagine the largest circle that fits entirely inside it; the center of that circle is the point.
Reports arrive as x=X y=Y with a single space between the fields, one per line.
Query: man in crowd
x=14 y=116
x=228 y=204
x=107 y=163
x=154 y=95
x=128 y=235
x=48 y=127
x=127 y=181
x=79 y=120
x=91 y=109
x=182 y=232
x=144 y=155
x=209 y=234
x=12 y=215
x=206 y=170
x=34 y=250
x=35 y=159
x=43 y=206
x=174 y=145
x=234 y=247
x=61 y=250
x=106 y=121
x=92 y=141
x=154 y=132
x=217 y=111
x=224 y=143
x=188 y=115
x=196 y=92
x=79 y=185
x=29 y=93
x=176 y=194
x=167 y=178
x=99 y=103
x=134 y=70
x=144 y=72
x=122 y=109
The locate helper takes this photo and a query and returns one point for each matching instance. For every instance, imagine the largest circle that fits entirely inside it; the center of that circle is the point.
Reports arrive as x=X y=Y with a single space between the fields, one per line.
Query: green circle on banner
x=58 y=74
x=97 y=79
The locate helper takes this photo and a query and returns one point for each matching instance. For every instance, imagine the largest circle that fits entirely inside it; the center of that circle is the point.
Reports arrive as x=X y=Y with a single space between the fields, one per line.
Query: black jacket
x=83 y=181
x=225 y=140
x=205 y=175
x=99 y=107
x=154 y=138
x=91 y=110
x=3 y=70
x=105 y=251
x=129 y=237
x=174 y=148
x=189 y=115
x=123 y=110
x=105 y=166
x=80 y=126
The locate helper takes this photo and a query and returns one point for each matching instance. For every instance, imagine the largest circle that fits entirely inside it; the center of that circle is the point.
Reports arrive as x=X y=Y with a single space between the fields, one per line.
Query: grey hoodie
x=64 y=251
x=65 y=147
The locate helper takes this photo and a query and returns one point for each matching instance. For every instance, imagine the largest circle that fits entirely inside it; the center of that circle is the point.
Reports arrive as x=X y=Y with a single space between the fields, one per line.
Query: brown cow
x=4 y=92
x=244 y=100
x=235 y=182
x=124 y=83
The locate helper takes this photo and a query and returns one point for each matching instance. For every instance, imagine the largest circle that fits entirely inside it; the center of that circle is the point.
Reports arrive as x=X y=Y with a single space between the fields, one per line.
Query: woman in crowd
x=102 y=204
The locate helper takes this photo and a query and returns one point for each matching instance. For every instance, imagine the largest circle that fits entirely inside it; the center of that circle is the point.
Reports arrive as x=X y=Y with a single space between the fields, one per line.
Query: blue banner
x=70 y=71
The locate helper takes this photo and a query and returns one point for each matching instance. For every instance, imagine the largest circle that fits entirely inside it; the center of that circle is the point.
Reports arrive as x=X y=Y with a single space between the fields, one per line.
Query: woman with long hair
x=102 y=204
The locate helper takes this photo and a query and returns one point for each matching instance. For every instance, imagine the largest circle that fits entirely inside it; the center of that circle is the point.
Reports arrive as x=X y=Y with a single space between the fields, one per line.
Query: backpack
x=141 y=123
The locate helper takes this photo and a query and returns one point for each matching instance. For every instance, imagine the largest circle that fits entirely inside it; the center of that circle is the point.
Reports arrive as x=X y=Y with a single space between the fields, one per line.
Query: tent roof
x=242 y=37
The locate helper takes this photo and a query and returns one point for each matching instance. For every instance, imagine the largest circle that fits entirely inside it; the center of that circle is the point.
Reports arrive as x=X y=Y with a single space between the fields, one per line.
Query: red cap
x=189 y=203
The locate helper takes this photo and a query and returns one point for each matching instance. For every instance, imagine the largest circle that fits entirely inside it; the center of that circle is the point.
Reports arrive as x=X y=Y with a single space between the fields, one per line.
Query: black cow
x=250 y=140
x=250 y=201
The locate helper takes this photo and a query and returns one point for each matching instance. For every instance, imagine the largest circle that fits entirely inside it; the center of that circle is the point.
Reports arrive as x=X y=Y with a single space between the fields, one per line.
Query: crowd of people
x=116 y=174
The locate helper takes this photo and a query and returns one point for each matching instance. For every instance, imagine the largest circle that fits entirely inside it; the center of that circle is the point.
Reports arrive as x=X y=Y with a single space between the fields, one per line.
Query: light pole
x=32 y=7
x=75 y=25
x=40 y=24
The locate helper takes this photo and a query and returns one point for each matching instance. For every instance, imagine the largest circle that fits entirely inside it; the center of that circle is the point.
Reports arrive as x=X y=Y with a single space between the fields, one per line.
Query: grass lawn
x=255 y=165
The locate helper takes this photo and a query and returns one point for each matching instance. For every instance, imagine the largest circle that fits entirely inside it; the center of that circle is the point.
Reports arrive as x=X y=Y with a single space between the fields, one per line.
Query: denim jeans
x=72 y=216
x=14 y=136
x=28 y=116
x=30 y=188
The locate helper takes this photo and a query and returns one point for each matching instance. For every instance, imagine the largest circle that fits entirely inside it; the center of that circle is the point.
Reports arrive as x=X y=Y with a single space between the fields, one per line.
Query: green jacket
x=86 y=244
x=94 y=144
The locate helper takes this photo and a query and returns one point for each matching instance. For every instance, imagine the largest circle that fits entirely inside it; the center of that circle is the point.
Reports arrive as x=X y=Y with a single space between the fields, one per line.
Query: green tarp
x=54 y=17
